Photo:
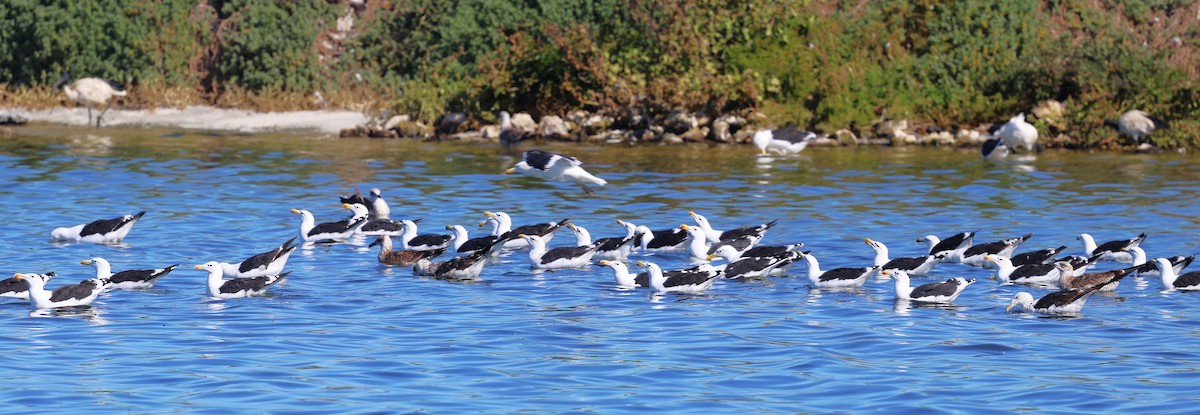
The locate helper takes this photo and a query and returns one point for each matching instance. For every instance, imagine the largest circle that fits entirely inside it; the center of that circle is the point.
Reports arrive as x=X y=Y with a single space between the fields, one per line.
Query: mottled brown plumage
x=1107 y=280
x=404 y=257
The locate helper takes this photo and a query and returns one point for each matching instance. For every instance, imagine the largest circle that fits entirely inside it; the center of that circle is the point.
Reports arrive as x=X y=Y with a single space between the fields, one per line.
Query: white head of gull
x=697 y=242
x=625 y=278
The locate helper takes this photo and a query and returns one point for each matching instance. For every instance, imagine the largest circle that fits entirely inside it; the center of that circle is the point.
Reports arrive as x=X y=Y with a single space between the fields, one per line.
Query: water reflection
x=91 y=314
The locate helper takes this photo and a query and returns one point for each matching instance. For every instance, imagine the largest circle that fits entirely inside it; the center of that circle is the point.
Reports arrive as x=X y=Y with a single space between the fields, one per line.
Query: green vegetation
x=817 y=64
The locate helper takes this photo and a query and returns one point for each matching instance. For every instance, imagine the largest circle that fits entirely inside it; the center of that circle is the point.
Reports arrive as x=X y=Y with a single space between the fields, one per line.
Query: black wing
x=985 y=249
x=265 y=258
x=541 y=160
x=539 y=229
x=381 y=225
x=748 y=265
x=356 y=198
x=140 y=275
x=989 y=146
x=1188 y=279
x=333 y=227
x=843 y=274
x=935 y=289
x=740 y=244
x=1062 y=298
x=1035 y=257
x=75 y=291
x=1114 y=246
x=792 y=135
x=767 y=250
x=746 y=231
x=251 y=284
x=908 y=263
x=472 y=245
x=951 y=243
x=1030 y=270
x=13 y=285
x=566 y=252
x=462 y=262
x=429 y=240
x=104 y=226
x=688 y=278
x=671 y=237
x=612 y=244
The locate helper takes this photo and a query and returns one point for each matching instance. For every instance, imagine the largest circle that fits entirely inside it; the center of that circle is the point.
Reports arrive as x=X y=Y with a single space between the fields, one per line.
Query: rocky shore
x=577 y=126
x=683 y=127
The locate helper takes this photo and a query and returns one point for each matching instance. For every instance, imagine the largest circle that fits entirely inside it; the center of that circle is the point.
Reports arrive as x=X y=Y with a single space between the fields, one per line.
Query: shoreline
x=203 y=118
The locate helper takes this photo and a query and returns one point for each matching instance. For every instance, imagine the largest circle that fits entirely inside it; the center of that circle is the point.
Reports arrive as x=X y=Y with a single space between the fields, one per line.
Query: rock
x=846 y=137
x=720 y=131
x=473 y=136
x=672 y=138
x=382 y=134
x=1048 y=109
x=680 y=122
x=359 y=131
x=608 y=136
x=12 y=118
x=524 y=121
x=553 y=127
x=695 y=135
x=891 y=128
x=452 y=123
x=396 y=119
x=941 y=138
x=744 y=135
x=413 y=129
x=596 y=123
x=823 y=142
x=490 y=132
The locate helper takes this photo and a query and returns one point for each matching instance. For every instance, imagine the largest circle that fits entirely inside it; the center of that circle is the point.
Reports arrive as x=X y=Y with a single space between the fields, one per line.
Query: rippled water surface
x=346 y=335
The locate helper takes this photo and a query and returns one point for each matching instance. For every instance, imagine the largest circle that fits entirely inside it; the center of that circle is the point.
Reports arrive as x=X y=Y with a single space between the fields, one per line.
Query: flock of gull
x=729 y=254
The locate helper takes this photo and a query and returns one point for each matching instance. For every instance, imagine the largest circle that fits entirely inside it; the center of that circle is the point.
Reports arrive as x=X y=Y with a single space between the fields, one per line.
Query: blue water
x=346 y=335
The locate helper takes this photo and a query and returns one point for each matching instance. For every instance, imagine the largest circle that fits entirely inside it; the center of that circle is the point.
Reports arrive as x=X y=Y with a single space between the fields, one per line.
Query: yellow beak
x=86 y=262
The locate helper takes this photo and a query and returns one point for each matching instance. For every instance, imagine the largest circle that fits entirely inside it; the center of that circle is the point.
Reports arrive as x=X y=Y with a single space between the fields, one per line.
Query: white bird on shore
x=90 y=92
x=559 y=167
x=1137 y=125
x=1018 y=133
x=783 y=141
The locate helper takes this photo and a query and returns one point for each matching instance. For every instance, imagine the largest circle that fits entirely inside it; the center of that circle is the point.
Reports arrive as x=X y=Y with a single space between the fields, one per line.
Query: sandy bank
x=207 y=118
